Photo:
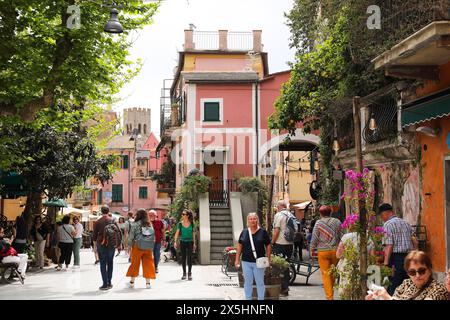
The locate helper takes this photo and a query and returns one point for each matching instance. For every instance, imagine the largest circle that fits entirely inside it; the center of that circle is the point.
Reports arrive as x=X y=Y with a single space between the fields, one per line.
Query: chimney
x=189 y=40
x=257 y=45
x=223 y=40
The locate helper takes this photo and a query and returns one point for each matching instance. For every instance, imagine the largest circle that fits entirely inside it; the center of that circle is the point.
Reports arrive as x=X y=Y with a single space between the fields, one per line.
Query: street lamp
x=113 y=25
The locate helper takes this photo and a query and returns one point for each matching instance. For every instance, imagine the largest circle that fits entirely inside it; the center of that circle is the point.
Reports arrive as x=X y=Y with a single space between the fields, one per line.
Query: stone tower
x=137 y=118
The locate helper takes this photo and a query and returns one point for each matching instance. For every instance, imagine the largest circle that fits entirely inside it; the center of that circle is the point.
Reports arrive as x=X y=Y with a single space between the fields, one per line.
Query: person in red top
x=159 y=228
x=9 y=255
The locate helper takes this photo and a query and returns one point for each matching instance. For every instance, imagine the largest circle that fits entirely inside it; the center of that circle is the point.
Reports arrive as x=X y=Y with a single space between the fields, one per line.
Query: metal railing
x=209 y=40
x=384 y=111
x=219 y=192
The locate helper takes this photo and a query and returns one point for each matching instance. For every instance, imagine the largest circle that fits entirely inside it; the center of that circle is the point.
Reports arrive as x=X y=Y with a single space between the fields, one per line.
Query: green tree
x=43 y=63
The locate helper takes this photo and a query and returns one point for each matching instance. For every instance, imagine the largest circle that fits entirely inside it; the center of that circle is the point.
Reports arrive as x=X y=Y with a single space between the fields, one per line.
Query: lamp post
x=113 y=25
x=361 y=203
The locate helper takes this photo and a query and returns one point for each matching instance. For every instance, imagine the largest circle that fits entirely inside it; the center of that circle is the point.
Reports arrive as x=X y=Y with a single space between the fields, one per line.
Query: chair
x=8 y=271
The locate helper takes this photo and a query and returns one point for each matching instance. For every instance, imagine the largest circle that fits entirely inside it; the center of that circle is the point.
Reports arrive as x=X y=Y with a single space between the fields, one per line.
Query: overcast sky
x=158 y=44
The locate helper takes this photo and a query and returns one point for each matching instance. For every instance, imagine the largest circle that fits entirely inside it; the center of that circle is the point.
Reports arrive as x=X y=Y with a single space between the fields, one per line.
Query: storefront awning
x=426 y=109
x=59 y=203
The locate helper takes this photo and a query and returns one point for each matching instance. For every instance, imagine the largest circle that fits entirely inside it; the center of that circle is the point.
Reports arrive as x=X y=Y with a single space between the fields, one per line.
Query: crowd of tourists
x=412 y=275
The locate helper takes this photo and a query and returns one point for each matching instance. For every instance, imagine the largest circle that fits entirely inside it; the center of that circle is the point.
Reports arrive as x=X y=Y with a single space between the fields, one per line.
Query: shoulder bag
x=262 y=262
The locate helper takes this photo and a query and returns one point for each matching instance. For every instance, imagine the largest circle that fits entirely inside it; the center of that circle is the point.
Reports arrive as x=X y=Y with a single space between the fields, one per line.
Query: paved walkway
x=83 y=283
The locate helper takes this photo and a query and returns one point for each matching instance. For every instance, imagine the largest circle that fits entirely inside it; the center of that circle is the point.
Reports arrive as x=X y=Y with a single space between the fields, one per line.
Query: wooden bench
x=8 y=271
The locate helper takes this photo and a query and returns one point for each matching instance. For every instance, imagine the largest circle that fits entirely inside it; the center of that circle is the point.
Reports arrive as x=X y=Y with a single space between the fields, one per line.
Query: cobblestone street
x=209 y=283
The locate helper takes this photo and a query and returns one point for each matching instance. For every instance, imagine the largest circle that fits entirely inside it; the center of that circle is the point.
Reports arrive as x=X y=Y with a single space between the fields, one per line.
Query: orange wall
x=433 y=206
x=433 y=176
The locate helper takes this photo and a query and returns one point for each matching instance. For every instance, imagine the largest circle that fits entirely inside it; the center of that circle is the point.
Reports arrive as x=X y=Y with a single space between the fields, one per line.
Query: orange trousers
x=148 y=265
x=326 y=260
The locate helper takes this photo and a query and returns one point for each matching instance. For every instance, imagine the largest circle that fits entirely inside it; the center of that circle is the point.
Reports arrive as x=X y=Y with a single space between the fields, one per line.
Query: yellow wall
x=299 y=181
x=12 y=208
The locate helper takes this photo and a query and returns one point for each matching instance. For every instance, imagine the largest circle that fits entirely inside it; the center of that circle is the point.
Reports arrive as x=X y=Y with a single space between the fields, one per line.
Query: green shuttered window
x=125 y=162
x=117 y=193
x=142 y=192
x=211 y=111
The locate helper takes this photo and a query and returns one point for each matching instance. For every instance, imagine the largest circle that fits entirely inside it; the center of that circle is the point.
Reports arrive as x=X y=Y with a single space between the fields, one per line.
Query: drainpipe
x=257 y=127
x=129 y=181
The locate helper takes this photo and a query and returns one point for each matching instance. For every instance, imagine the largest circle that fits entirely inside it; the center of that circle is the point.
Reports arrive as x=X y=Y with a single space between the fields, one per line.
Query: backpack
x=145 y=239
x=112 y=236
x=291 y=227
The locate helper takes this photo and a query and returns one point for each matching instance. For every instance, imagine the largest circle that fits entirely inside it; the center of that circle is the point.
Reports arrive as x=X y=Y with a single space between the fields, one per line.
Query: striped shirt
x=326 y=234
x=398 y=234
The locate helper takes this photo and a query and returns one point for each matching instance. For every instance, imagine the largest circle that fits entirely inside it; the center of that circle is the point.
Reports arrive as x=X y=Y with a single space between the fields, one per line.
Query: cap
x=385 y=207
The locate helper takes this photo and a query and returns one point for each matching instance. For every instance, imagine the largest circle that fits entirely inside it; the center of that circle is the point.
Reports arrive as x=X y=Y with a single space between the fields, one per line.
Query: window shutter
x=125 y=162
x=142 y=192
x=100 y=197
x=117 y=193
x=211 y=111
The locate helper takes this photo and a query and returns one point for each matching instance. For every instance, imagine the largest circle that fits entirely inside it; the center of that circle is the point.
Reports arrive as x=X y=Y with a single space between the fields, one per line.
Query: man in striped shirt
x=398 y=241
x=325 y=238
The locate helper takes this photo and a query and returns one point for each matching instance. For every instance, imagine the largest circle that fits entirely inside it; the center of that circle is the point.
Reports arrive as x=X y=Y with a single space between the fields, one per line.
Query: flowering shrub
x=348 y=272
x=230 y=250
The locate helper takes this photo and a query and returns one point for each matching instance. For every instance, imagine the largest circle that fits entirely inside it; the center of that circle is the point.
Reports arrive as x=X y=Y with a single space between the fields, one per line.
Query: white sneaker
x=131 y=285
x=148 y=285
x=75 y=267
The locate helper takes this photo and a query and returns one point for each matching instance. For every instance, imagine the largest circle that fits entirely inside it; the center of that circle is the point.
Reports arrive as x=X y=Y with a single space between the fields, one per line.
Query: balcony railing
x=219 y=192
x=399 y=20
x=384 y=112
x=209 y=40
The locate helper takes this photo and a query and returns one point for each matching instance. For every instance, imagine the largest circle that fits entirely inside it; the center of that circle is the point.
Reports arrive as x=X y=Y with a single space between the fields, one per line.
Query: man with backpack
x=108 y=237
x=284 y=228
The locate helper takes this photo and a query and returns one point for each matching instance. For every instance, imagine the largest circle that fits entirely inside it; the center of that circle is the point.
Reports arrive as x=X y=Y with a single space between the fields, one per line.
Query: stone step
x=219 y=224
x=221 y=243
x=221 y=229
x=221 y=236
x=215 y=261
x=216 y=256
x=219 y=249
x=219 y=211
x=220 y=217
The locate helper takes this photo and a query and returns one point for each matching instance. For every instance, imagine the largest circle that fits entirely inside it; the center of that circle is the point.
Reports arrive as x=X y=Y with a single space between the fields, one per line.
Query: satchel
x=262 y=262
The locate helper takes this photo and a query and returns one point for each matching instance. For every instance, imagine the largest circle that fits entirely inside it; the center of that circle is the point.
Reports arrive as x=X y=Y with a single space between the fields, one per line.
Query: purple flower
x=366 y=171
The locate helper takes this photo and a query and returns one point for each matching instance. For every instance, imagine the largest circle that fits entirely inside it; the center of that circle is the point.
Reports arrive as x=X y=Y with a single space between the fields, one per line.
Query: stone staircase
x=221 y=233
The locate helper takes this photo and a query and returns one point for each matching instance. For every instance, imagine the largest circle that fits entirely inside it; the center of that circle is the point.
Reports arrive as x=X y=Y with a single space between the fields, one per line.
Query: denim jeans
x=284 y=250
x=397 y=260
x=76 y=251
x=157 y=253
x=106 y=256
x=250 y=271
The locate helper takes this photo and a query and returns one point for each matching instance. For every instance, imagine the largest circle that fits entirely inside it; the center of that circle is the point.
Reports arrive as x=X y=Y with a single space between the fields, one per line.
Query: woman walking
x=257 y=246
x=141 y=240
x=122 y=227
x=66 y=232
x=41 y=237
x=77 y=241
x=186 y=233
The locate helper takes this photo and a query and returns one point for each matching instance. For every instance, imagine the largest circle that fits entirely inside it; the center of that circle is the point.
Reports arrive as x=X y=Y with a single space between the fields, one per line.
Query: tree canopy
x=44 y=63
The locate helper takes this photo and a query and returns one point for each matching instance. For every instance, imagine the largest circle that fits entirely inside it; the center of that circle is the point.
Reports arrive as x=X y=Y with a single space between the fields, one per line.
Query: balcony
x=223 y=40
x=414 y=39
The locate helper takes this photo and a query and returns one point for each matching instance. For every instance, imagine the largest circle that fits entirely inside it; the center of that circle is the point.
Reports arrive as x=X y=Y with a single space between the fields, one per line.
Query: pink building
x=131 y=187
x=221 y=98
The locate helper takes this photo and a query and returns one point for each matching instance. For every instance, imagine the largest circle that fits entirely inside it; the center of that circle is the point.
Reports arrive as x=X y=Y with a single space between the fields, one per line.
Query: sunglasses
x=184 y=214
x=421 y=272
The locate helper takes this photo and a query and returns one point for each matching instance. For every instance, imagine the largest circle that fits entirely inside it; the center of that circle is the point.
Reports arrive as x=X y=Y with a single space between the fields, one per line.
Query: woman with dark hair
x=122 y=226
x=419 y=286
x=186 y=233
x=66 y=234
x=141 y=240
x=41 y=237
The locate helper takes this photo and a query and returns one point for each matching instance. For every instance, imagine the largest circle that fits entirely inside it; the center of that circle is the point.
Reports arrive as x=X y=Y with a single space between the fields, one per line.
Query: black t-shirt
x=21 y=229
x=261 y=239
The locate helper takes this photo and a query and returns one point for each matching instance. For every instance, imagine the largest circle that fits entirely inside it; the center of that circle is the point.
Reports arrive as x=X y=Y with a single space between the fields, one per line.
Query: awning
x=59 y=203
x=302 y=205
x=12 y=185
x=426 y=109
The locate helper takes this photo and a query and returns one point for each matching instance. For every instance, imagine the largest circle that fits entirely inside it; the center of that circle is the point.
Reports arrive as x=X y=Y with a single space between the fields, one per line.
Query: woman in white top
x=66 y=232
x=350 y=239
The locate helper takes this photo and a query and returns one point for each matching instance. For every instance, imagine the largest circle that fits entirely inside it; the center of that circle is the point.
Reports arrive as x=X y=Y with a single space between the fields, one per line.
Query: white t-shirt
x=79 y=229
x=64 y=236
x=279 y=221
